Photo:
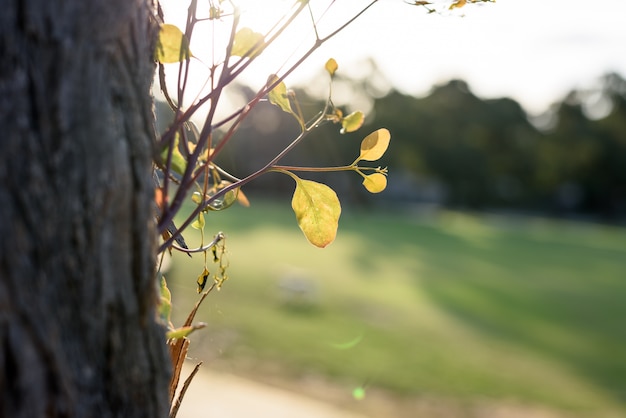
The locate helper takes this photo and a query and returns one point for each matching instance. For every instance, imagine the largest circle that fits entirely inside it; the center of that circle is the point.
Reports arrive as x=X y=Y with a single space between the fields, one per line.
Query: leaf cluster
x=186 y=160
x=187 y=155
x=186 y=169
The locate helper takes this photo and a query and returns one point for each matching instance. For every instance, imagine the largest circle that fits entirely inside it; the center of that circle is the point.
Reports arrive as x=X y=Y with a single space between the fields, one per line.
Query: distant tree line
x=454 y=149
x=487 y=154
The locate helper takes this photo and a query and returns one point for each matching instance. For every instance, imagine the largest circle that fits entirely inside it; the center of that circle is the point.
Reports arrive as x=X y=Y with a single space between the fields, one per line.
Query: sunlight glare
x=267 y=17
x=262 y=16
x=286 y=41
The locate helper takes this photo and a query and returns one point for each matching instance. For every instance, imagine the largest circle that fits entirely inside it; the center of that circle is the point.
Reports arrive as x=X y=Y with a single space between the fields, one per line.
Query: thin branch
x=240 y=183
x=205 y=134
x=267 y=43
x=192 y=314
x=225 y=78
x=183 y=390
x=316 y=169
x=220 y=236
x=349 y=22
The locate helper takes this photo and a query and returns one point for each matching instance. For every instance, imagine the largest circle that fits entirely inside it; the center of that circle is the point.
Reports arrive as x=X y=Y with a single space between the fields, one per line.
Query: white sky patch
x=534 y=51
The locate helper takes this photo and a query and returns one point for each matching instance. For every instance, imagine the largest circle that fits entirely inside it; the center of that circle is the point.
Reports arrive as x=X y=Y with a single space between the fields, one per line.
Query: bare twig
x=183 y=390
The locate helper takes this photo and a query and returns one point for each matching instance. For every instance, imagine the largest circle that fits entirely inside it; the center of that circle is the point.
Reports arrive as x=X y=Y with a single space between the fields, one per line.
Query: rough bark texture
x=78 y=336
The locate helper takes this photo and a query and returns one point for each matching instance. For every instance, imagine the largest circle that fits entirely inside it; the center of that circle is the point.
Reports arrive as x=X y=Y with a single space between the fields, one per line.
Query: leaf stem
x=352 y=167
x=312 y=169
x=218 y=237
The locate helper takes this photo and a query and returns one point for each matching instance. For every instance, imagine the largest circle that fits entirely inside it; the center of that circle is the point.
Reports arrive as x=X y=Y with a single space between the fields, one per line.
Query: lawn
x=448 y=305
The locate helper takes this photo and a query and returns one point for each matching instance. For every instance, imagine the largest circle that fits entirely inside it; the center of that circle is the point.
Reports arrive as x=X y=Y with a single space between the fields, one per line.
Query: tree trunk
x=78 y=334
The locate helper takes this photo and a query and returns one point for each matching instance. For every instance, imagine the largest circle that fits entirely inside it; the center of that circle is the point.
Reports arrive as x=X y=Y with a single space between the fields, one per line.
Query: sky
x=534 y=51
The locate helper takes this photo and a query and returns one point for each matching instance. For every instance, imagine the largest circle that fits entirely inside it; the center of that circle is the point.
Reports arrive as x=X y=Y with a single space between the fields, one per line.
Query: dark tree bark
x=78 y=335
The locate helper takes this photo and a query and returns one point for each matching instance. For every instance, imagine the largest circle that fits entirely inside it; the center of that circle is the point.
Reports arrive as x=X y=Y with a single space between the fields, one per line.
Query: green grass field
x=452 y=305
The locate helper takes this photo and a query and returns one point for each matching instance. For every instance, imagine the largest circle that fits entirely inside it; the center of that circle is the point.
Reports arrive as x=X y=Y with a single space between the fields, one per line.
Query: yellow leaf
x=172 y=45
x=352 y=122
x=183 y=332
x=317 y=210
x=199 y=223
x=247 y=43
x=374 y=145
x=202 y=279
x=278 y=95
x=335 y=116
x=375 y=183
x=458 y=4
x=196 y=197
x=331 y=66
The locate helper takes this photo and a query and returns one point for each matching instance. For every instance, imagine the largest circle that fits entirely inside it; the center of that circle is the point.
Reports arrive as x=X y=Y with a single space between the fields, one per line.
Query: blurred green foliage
x=455 y=149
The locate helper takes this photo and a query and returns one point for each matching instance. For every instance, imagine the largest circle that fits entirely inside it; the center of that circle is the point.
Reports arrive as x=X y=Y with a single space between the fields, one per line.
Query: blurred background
x=488 y=279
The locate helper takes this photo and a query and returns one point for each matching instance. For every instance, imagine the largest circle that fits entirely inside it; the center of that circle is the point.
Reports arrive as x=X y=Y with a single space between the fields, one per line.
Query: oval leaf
x=278 y=95
x=375 y=183
x=199 y=222
x=331 y=66
x=196 y=197
x=352 y=122
x=178 y=163
x=317 y=210
x=374 y=145
x=247 y=43
x=172 y=45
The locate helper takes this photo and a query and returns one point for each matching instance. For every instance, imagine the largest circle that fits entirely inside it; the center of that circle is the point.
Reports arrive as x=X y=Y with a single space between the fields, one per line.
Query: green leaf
x=165 y=305
x=196 y=197
x=178 y=163
x=375 y=183
x=199 y=222
x=317 y=210
x=183 y=332
x=374 y=145
x=172 y=45
x=352 y=122
x=247 y=43
x=278 y=95
x=222 y=202
x=331 y=66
